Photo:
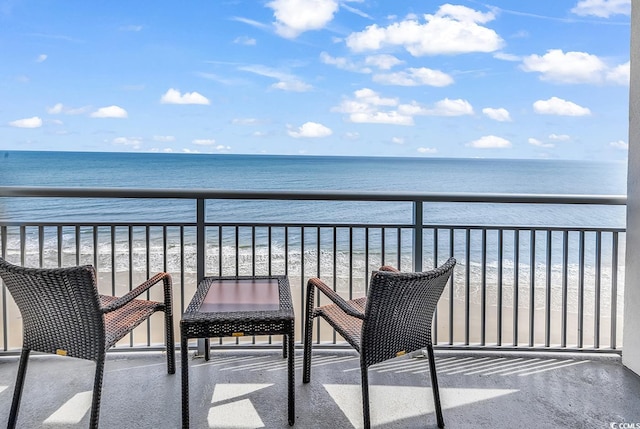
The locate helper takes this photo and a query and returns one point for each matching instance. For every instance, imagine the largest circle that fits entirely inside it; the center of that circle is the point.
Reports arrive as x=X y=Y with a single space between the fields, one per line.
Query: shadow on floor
x=247 y=389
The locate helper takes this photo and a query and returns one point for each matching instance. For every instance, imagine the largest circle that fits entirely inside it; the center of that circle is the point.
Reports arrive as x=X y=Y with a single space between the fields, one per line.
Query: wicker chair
x=393 y=319
x=62 y=313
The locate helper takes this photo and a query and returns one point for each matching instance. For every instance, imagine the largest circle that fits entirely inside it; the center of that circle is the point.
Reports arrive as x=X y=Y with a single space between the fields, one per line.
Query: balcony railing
x=520 y=284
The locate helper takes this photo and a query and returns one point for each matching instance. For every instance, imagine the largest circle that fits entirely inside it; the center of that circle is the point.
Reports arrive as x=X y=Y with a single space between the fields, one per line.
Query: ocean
x=352 y=254
x=310 y=173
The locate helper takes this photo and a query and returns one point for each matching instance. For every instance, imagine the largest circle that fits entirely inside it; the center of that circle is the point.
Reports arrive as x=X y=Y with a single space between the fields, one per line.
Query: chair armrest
x=333 y=296
x=131 y=295
x=388 y=268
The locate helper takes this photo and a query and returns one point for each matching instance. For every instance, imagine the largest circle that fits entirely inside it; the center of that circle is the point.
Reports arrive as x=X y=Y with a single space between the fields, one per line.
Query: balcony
x=531 y=320
x=246 y=388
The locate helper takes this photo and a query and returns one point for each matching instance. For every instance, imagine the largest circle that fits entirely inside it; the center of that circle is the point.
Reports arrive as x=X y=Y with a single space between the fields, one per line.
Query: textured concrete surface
x=247 y=389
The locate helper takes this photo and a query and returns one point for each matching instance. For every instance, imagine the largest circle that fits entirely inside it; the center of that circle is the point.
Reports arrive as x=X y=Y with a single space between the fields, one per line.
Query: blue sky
x=502 y=79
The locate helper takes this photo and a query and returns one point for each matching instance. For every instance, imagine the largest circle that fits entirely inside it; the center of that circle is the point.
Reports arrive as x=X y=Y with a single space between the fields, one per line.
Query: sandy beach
x=444 y=334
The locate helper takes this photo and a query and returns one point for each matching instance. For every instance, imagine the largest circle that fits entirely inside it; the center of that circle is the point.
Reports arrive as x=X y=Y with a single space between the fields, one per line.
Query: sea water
x=307 y=173
x=311 y=173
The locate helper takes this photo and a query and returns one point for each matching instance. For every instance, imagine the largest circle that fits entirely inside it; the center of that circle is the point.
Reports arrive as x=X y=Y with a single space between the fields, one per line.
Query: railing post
x=200 y=239
x=417 y=235
x=200 y=254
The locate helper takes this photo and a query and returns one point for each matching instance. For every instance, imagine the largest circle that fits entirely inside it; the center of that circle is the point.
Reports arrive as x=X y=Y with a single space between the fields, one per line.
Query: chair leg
x=284 y=346
x=207 y=349
x=306 y=357
x=364 y=372
x=168 y=324
x=17 y=393
x=184 y=357
x=308 y=334
x=291 y=376
x=171 y=345
x=97 y=393
x=434 y=386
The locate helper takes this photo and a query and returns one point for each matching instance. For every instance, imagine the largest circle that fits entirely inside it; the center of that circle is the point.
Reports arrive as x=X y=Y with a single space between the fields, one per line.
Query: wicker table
x=234 y=307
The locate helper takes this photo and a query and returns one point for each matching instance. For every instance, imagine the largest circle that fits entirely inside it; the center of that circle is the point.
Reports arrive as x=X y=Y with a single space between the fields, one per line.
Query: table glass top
x=242 y=295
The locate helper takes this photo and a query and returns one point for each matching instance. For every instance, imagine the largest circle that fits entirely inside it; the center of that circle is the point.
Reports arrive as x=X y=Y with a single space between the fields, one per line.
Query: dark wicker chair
x=62 y=313
x=393 y=319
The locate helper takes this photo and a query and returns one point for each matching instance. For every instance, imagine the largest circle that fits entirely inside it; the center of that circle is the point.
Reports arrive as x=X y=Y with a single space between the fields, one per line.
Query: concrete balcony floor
x=247 y=389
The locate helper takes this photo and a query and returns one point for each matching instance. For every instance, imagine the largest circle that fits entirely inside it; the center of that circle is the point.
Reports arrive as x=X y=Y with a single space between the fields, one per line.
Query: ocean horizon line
x=319 y=156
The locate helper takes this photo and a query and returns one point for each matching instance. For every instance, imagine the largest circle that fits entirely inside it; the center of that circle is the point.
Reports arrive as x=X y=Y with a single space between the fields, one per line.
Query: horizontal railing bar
x=307 y=251
x=213 y=194
x=318 y=225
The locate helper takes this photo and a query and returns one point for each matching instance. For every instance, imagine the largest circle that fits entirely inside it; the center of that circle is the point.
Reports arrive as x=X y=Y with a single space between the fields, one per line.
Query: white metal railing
x=525 y=286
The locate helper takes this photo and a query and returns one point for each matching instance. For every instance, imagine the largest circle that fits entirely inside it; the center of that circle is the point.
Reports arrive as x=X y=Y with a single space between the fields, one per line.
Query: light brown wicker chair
x=62 y=313
x=393 y=319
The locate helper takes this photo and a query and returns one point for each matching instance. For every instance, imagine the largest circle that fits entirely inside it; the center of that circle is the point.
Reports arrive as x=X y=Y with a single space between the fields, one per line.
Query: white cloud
x=536 y=142
x=55 y=109
x=500 y=114
x=245 y=121
x=415 y=77
x=164 y=139
x=343 y=63
x=173 y=96
x=602 y=8
x=251 y=22
x=292 y=85
x=294 y=17
x=245 y=40
x=60 y=108
x=490 y=142
x=352 y=135
x=223 y=80
x=397 y=140
x=134 y=142
x=452 y=30
x=449 y=107
x=574 y=68
x=413 y=109
x=41 y=58
x=222 y=148
x=506 y=57
x=204 y=142
x=390 y=117
x=77 y=110
x=287 y=82
x=559 y=137
x=110 y=112
x=619 y=75
x=34 y=122
x=367 y=105
x=345 y=5
x=560 y=107
x=620 y=144
x=427 y=150
x=383 y=61
x=310 y=130
x=369 y=96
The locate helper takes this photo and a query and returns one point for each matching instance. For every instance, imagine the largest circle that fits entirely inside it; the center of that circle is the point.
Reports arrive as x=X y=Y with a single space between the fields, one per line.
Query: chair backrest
x=399 y=312
x=60 y=309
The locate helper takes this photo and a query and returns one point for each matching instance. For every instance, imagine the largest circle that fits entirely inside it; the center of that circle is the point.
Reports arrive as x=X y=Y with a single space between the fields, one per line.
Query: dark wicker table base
x=197 y=324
